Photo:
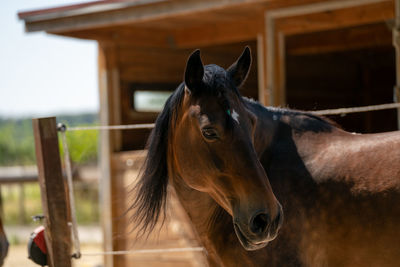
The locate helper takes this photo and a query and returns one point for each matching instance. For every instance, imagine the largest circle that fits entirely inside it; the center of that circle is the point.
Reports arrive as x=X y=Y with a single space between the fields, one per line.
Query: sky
x=42 y=74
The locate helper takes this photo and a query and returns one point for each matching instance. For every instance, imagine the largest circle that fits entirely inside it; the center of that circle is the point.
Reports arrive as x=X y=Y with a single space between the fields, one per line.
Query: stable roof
x=155 y=22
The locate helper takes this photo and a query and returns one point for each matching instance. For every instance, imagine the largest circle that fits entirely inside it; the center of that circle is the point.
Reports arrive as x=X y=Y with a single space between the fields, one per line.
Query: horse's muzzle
x=260 y=230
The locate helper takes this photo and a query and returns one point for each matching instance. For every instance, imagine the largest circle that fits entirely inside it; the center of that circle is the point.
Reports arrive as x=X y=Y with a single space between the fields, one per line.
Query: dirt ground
x=18 y=257
x=91 y=242
x=18 y=251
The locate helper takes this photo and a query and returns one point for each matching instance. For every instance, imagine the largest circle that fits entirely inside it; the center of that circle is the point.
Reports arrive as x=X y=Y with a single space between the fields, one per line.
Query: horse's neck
x=199 y=206
x=205 y=215
x=366 y=162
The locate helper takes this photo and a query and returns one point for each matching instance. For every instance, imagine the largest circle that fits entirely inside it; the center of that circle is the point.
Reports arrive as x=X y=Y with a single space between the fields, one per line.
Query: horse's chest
x=341 y=230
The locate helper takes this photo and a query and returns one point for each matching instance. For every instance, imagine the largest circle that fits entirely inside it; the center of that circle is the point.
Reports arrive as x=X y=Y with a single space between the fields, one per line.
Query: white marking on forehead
x=235 y=116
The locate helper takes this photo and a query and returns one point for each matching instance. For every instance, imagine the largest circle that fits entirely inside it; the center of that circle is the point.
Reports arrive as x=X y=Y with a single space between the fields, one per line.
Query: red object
x=39 y=239
x=37 y=247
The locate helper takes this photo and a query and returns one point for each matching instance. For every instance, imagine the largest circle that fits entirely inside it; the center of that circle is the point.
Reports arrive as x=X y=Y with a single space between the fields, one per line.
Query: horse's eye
x=210 y=133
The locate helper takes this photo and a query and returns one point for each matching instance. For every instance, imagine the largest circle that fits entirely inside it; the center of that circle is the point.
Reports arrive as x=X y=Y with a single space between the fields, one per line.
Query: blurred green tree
x=17 y=143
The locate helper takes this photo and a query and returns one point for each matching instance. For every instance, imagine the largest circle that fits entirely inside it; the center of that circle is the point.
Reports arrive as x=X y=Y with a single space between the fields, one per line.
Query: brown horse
x=340 y=192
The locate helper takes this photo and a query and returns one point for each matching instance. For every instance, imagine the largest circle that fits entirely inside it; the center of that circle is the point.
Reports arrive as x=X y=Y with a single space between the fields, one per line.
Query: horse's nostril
x=259 y=223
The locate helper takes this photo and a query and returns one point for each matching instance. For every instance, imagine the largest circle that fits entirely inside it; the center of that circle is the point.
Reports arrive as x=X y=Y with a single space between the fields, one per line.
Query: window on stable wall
x=150 y=97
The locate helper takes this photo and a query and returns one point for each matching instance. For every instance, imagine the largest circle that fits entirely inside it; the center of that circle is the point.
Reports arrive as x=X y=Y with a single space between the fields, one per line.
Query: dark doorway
x=335 y=78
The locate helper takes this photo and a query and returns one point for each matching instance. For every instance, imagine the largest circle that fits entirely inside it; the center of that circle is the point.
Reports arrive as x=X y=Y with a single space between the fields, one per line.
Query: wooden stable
x=307 y=54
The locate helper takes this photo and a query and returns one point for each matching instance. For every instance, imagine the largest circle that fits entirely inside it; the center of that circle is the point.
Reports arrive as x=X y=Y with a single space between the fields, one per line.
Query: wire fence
x=325 y=112
x=62 y=128
x=340 y=111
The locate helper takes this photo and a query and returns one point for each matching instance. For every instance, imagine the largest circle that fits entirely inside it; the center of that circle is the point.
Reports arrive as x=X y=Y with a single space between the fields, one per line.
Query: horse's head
x=212 y=149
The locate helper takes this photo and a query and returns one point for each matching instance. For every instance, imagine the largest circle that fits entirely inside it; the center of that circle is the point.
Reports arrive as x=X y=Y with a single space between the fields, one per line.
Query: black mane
x=150 y=192
x=300 y=120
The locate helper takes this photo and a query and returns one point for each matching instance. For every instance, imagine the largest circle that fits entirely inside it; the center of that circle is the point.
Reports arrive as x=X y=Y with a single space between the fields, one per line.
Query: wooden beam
x=68 y=21
x=228 y=31
x=126 y=35
x=53 y=192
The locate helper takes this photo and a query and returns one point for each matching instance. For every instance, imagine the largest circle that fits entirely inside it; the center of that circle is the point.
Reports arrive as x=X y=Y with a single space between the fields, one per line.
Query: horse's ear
x=240 y=69
x=194 y=71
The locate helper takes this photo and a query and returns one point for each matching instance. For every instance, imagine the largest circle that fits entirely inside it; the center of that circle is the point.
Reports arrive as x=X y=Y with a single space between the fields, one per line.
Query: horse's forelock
x=217 y=80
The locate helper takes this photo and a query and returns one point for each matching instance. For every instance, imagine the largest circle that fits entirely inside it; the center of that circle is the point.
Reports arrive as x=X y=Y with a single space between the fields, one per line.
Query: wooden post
x=1 y=204
x=270 y=59
x=111 y=187
x=21 y=203
x=263 y=95
x=57 y=231
x=396 y=43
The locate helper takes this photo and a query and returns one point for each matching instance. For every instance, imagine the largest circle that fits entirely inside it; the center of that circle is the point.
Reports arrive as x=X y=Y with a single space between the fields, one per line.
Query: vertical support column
x=396 y=43
x=263 y=94
x=270 y=59
x=104 y=158
x=110 y=185
x=275 y=62
x=57 y=231
x=1 y=203
x=21 y=203
x=280 y=66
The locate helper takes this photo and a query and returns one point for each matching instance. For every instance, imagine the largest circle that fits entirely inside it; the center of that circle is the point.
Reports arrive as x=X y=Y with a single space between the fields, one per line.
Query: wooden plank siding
x=221 y=33
x=166 y=66
x=370 y=35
